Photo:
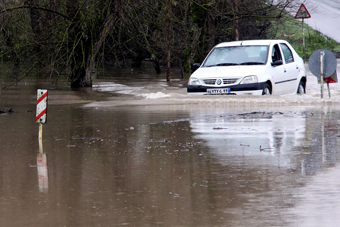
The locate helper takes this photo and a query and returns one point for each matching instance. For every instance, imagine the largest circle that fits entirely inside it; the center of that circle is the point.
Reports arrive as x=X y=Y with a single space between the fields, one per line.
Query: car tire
x=266 y=90
x=301 y=88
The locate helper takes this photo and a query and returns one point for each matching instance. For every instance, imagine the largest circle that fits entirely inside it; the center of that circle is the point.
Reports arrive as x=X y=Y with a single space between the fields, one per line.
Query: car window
x=237 y=55
x=276 y=54
x=217 y=56
x=258 y=54
x=287 y=53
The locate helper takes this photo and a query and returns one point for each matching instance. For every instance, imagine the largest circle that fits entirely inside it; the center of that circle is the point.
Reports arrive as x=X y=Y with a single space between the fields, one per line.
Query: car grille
x=225 y=81
x=229 y=81
x=209 y=81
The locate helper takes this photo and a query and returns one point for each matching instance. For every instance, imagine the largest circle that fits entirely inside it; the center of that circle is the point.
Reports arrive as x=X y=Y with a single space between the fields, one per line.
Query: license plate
x=219 y=91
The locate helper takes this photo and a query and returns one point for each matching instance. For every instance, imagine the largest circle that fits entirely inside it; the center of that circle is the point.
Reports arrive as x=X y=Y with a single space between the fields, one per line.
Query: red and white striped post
x=41 y=106
x=41 y=113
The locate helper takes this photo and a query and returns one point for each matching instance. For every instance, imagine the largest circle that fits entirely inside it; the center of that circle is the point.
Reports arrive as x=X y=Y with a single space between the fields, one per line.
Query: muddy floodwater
x=137 y=151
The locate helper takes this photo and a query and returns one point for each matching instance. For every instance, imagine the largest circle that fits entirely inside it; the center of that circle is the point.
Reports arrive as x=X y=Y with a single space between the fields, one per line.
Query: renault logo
x=218 y=81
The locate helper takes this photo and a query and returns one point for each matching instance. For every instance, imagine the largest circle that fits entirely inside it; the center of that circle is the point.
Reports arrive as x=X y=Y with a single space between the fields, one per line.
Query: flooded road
x=144 y=153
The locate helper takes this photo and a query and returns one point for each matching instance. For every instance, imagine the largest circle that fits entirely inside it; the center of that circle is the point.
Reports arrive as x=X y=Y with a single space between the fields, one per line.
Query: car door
x=292 y=70
x=278 y=71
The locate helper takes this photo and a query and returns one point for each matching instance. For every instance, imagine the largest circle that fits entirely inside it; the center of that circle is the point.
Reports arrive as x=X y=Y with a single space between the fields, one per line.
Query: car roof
x=250 y=42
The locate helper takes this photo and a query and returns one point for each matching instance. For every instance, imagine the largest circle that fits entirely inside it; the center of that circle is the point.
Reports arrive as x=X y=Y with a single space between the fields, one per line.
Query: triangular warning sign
x=302 y=13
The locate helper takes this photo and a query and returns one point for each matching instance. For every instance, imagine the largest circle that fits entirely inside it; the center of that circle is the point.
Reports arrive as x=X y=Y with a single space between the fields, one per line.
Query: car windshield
x=237 y=55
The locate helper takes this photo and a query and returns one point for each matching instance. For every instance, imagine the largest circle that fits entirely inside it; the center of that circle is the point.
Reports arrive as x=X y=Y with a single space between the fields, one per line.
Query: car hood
x=228 y=71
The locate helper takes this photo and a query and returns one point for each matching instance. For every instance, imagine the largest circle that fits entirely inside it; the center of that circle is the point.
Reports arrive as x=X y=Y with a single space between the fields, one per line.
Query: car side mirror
x=277 y=63
x=195 y=66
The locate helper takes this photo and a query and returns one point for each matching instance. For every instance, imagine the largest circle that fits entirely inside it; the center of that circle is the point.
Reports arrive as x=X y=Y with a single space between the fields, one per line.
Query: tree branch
x=33 y=7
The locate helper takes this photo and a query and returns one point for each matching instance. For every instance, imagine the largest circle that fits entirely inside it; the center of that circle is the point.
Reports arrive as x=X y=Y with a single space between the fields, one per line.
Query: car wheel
x=301 y=88
x=266 y=90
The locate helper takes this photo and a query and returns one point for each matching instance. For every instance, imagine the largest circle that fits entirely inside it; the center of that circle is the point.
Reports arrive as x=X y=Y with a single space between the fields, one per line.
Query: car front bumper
x=239 y=89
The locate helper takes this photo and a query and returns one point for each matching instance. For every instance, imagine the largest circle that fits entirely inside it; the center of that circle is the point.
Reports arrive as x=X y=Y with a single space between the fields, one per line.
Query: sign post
x=302 y=13
x=322 y=53
x=41 y=113
x=322 y=63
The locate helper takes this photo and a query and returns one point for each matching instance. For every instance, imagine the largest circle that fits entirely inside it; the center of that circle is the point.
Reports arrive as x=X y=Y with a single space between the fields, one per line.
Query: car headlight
x=194 y=81
x=249 y=79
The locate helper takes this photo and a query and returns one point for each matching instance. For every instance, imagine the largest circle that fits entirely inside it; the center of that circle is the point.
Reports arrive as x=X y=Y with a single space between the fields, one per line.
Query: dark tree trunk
x=236 y=22
x=168 y=78
x=37 y=30
x=77 y=71
x=157 y=66
x=87 y=79
x=12 y=54
x=35 y=16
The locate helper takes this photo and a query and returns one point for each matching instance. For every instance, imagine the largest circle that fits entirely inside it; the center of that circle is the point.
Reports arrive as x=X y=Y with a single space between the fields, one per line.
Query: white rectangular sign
x=41 y=106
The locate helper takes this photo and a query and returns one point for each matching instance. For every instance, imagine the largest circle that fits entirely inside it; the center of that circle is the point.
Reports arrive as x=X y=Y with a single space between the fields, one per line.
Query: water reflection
x=298 y=142
x=302 y=140
x=42 y=172
x=321 y=141
x=262 y=136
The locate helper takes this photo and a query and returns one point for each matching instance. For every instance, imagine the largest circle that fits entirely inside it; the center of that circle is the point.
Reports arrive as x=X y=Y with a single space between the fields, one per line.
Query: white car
x=255 y=67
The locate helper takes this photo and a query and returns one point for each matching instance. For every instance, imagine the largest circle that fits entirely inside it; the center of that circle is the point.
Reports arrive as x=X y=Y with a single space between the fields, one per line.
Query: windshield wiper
x=223 y=64
x=252 y=63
